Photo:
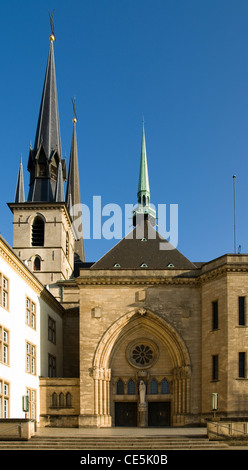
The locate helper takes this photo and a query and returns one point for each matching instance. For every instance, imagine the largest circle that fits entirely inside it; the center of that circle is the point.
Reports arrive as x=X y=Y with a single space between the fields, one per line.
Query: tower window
x=37 y=263
x=241 y=310
x=215 y=367
x=38 y=232
x=242 y=364
x=42 y=169
x=215 y=320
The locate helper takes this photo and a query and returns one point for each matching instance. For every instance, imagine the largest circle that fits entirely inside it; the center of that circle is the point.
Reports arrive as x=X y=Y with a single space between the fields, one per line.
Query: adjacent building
x=29 y=316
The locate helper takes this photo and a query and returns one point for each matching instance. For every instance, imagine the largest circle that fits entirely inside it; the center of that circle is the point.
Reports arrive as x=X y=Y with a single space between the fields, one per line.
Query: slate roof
x=73 y=197
x=48 y=131
x=20 y=194
x=142 y=249
x=47 y=146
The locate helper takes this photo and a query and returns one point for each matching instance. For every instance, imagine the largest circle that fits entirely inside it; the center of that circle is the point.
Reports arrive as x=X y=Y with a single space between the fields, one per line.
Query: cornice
x=134 y=280
x=222 y=271
x=156 y=278
x=19 y=268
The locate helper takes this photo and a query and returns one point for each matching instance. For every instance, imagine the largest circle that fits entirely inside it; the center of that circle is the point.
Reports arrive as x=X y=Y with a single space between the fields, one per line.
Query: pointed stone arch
x=131 y=321
x=108 y=344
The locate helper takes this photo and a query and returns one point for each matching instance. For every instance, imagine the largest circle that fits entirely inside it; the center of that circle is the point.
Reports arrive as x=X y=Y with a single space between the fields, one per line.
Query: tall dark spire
x=73 y=197
x=44 y=158
x=48 y=130
x=20 y=195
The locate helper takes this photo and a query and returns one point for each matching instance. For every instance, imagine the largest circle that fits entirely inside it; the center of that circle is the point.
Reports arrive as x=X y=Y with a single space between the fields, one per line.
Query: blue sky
x=182 y=64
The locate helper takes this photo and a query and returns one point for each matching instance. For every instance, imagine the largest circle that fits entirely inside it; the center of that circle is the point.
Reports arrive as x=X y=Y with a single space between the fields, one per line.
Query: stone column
x=181 y=388
x=101 y=377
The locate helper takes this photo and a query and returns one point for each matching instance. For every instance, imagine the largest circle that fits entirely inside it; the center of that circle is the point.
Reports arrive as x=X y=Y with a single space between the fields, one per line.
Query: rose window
x=142 y=354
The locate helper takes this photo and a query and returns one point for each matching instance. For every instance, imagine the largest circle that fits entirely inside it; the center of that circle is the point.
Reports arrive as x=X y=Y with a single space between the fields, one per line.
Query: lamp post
x=214 y=403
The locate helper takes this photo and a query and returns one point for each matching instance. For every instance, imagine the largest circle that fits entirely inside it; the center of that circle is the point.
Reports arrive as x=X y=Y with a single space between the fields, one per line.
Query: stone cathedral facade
x=148 y=336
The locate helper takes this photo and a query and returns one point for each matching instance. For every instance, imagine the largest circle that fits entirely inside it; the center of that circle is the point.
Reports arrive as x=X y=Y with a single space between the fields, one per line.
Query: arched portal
x=141 y=346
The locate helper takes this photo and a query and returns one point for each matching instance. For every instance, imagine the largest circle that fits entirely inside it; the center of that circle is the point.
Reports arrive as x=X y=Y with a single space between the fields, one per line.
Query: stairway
x=165 y=443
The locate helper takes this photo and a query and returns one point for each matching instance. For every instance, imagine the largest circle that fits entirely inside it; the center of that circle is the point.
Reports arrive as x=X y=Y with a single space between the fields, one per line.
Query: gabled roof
x=143 y=249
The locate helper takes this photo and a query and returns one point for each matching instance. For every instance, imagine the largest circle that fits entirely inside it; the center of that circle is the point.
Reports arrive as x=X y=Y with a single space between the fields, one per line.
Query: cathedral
x=141 y=337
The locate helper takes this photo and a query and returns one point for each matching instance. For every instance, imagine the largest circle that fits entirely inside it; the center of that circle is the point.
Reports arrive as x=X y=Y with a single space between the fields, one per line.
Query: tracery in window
x=142 y=354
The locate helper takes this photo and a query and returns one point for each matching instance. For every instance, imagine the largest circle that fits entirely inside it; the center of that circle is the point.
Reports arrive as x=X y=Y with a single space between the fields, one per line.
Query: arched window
x=68 y=399
x=54 y=399
x=38 y=232
x=164 y=387
x=120 y=387
x=153 y=387
x=131 y=387
x=37 y=263
x=61 y=399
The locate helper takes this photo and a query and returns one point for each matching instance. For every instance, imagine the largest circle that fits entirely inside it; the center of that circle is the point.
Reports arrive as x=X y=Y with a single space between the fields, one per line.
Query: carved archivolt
x=131 y=321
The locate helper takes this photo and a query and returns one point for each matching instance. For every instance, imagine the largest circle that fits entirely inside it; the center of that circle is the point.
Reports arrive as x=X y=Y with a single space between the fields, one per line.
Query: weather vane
x=52 y=35
x=74 y=110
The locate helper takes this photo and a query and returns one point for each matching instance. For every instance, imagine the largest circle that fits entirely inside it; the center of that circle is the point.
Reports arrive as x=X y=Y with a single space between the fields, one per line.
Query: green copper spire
x=143 y=210
x=143 y=188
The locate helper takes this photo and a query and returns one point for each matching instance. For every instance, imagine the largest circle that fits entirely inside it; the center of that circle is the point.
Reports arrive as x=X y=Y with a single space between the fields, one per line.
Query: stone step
x=120 y=443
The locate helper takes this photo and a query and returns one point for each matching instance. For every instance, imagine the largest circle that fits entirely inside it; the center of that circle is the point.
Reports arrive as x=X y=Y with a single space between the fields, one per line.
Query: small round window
x=142 y=353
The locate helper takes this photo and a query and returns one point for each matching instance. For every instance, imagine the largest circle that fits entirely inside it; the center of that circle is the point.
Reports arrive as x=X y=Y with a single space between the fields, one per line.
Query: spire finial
x=74 y=120
x=52 y=36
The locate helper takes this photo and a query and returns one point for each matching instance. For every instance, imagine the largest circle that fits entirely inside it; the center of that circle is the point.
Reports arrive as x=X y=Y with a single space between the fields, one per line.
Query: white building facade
x=28 y=312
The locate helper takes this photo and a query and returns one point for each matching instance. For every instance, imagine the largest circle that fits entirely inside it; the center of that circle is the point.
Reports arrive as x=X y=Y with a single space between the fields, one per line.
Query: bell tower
x=43 y=233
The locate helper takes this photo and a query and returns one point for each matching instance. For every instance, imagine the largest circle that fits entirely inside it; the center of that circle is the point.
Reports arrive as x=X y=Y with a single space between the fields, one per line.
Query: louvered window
x=38 y=232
